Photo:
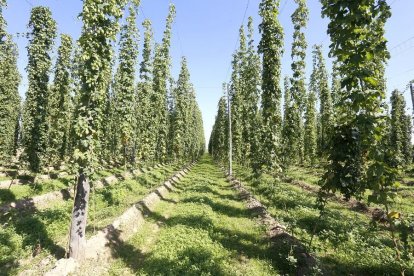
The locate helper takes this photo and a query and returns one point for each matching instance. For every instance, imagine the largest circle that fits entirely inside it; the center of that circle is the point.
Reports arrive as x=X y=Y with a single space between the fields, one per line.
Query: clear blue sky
x=206 y=33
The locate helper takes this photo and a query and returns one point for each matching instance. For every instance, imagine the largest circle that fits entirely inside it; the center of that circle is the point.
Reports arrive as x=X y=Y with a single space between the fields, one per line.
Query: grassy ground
x=310 y=175
x=27 y=190
x=30 y=189
x=403 y=203
x=346 y=242
x=203 y=228
x=4 y=178
x=28 y=238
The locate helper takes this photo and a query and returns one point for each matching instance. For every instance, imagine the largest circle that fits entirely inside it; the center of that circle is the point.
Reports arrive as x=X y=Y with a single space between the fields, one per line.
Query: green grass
x=2 y=178
x=20 y=233
x=203 y=229
x=46 y=228
x=310 y=175
x=28 y=190
x=403 y=203
x=345 y=242
x=113 y=200
x=108 y=172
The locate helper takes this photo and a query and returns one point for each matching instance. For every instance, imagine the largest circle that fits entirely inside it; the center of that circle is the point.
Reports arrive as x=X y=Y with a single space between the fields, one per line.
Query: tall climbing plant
x=100 y=26
x=42 y=32
x=218 y=145
x=298 y=93
x=251 y=93
x=271 y=48
x=400 y=131
x=9 y=94
x=59 y=111
x=146 y=131
x=237 y=88
x=356 y=161
x=288 y=127
x=124 y=87
x=181 y=117
x=162 y=64
x=310 y=129
x=319 y=84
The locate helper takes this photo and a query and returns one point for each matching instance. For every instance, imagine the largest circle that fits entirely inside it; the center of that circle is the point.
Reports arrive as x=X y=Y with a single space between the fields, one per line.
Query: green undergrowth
x=203 y=228
x=28 y=190
x=346 y=242
x=403 y=202
x=9 y=173
x=108 y=172
x=308 y=174
x=22 y=234
x=2 y=178
x=113 y=200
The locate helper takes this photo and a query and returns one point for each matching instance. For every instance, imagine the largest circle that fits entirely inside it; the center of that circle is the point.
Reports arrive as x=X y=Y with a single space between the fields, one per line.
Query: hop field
x=123 y=152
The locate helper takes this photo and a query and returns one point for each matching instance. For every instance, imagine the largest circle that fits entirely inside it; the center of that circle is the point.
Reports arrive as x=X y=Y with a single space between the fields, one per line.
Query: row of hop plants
x=362 y=143
x=93 y=114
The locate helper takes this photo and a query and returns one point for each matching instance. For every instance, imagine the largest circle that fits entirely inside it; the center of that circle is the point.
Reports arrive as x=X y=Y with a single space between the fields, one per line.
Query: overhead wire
x=402 y=43
x=237 y=40
x=393 y=2
x=175 y=24
x=402 y=47
x=397 y=46
x=177 y=30
x=179 y=39
x=142 y=11
x=283 y=6
x=30 y=3
x=244 y=17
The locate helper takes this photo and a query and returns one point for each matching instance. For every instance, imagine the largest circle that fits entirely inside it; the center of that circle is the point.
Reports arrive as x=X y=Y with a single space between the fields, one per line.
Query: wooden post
x=412 y=100
x=77 y=243
x=412 y=95
x=230 y=136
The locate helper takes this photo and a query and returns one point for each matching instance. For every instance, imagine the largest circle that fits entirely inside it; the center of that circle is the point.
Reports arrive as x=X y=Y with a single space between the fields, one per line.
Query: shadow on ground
x=30 y=227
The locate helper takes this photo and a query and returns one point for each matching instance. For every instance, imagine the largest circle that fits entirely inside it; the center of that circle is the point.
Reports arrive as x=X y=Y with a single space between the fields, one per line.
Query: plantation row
x=362 y=144
x=152 y=119
x=93 y=115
